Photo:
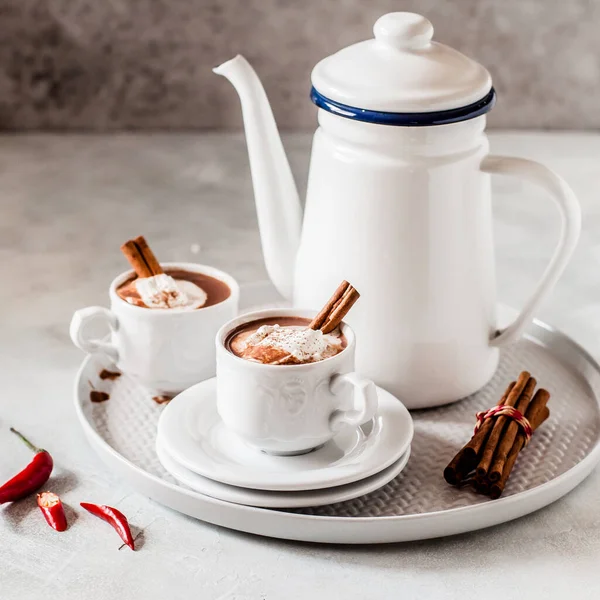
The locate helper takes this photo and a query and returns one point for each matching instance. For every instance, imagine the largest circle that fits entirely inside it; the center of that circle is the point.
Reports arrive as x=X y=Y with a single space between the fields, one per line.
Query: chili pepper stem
x=25 y=440
x=134 y=539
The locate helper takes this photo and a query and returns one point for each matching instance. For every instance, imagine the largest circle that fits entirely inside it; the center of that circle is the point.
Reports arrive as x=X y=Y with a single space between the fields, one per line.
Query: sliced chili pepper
x=31 y=478
x=53 y=511
x=113 y=517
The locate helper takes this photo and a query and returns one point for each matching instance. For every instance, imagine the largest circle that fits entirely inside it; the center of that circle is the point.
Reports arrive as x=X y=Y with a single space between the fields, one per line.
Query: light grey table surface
x=66 y=205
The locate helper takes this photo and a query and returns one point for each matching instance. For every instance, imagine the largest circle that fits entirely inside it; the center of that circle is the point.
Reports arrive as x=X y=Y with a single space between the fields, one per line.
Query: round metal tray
x=418 y=504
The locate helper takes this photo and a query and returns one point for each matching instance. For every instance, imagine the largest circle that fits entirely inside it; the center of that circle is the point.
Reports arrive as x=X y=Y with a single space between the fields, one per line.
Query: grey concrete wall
x=144 y=64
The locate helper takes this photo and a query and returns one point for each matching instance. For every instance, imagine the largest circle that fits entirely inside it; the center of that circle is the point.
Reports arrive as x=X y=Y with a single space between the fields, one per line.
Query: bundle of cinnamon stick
x=487 y=460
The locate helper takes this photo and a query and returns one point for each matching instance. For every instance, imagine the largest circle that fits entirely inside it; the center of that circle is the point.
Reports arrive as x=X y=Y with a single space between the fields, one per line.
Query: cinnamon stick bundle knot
x=507 y=411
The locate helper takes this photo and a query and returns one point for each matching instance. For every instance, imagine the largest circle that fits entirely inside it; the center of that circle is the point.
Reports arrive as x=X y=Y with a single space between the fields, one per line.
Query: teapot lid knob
x=403 y=30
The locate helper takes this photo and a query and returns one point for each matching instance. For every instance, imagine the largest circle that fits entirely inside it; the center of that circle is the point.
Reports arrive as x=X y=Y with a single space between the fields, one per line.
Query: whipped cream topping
x=305 y=345
x=162 y=291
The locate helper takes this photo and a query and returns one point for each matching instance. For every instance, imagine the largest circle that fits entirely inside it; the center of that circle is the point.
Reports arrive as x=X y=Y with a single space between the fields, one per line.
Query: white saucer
x=268 y=499
x=192 y=432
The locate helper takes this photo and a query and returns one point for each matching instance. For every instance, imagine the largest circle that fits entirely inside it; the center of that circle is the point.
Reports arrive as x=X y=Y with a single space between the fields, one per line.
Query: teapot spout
x=275 y=193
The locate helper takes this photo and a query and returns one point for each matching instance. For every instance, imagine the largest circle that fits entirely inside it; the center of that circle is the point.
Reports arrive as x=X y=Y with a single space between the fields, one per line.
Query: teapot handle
x=570 y=213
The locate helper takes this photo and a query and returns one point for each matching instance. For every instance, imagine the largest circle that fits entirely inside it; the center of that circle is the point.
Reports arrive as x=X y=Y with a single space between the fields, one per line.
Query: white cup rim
x=187 y=266
x=248 y=317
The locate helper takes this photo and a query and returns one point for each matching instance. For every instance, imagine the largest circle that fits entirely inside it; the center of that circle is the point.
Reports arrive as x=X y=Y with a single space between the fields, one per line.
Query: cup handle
x=365 y=401
x=570 y=213
x=92 y=346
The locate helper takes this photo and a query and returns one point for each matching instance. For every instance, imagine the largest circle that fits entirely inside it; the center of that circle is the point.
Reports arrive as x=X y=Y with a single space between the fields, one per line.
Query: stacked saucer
x=196 y=448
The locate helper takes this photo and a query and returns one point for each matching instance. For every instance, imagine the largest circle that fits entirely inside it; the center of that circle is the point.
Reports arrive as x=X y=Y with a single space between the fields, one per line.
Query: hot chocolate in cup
x=290 y=408
x=165 y=349
x=284 y=341
x=201 y=289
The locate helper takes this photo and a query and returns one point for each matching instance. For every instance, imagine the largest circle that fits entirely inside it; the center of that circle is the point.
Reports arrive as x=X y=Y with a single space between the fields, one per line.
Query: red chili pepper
x=113 y=517
x=53 y=511
x=31 y=478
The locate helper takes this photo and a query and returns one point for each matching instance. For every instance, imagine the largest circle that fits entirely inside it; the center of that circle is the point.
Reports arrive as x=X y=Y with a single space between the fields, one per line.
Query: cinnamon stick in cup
x=340 y=310
x=136 y=260
x=141 y=258
x=336 y=308
x=321 y=317
x=148 y=255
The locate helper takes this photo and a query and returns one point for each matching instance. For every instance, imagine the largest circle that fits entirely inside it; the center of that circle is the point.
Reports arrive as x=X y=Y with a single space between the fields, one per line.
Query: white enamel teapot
x=398 y=203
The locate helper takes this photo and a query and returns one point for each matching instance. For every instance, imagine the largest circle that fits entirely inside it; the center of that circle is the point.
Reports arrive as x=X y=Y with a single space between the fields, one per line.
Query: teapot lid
x=402 y=77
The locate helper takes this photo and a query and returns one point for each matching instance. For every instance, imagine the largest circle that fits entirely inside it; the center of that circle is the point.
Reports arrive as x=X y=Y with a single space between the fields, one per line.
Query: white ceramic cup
x=165 y=350
x=290 y=409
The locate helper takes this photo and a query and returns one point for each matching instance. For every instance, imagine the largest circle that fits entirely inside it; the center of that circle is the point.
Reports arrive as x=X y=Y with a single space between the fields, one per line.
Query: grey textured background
x=146 y=64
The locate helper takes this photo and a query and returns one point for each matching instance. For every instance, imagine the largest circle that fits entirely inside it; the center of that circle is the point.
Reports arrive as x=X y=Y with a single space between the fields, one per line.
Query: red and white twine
x=506 y=411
